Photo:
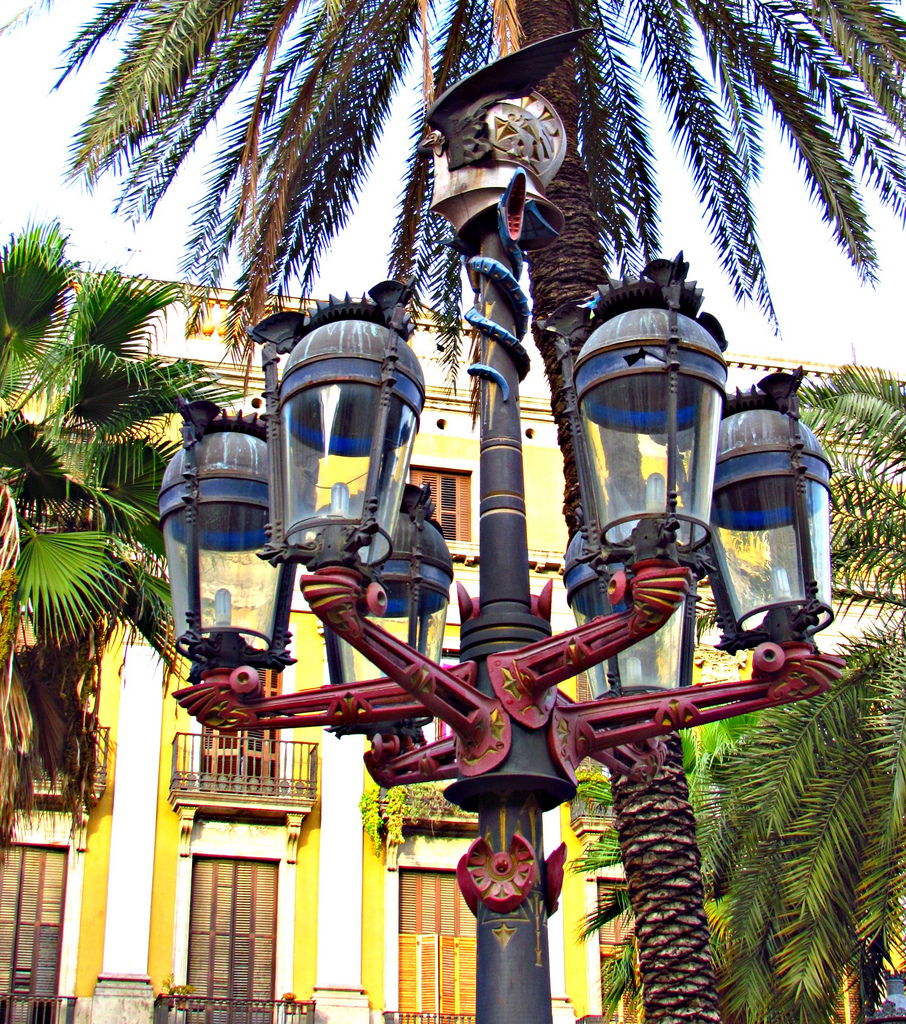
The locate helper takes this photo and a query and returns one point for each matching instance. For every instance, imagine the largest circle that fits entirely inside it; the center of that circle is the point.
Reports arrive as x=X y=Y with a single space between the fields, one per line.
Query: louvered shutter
x=628 y=1017
x=32 y=887
x=233 y=928
x=427 y=973
x=409 y=896
x=452 y=496
x=9 y=915
x=437 y=945
x=49 y=926
x=449 y=969
x=244 y=755
x=467 y=948
x=263 y=933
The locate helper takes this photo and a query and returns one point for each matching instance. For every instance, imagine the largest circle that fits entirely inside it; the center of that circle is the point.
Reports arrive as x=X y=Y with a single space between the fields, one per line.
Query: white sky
x=825 y=315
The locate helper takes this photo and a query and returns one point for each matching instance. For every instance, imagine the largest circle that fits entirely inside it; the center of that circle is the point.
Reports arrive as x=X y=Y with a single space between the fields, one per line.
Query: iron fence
x=47 y=789
x=21 y=1008
x=244 y=763
x=210 y=1010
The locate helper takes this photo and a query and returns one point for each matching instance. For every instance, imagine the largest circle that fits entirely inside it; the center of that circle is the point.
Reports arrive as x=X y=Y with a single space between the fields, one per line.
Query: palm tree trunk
x=656 y=828
x=654 y=819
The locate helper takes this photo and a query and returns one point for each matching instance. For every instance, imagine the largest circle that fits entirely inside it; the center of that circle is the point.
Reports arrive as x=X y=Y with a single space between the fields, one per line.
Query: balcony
x=588 y=817
x=428 y=810
x=243 y=773
x=48 y=792
x=209 y=1010
x=21 y=1008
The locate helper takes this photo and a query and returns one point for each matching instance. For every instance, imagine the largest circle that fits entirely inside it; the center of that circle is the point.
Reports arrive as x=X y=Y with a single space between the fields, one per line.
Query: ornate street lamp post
x=646 y=409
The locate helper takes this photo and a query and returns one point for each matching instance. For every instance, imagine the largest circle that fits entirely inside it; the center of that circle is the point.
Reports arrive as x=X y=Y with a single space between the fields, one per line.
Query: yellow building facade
x=230 y=879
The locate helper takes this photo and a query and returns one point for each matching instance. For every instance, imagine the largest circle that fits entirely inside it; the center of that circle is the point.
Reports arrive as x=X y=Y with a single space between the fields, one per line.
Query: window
x=233 y=930
x=32 y=883
x=452 y=496
x=437 y=945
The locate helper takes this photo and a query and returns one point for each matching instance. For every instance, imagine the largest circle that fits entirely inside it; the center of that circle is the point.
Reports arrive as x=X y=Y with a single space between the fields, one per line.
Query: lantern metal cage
x=416 y=580
x=770 y=519
x=341 y=423
x=230 y=608
x=649 y=384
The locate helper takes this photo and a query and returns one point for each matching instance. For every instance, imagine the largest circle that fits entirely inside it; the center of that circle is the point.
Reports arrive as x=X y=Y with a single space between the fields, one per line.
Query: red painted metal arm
x=782 y=674
x=221 y=706
x=481 y=728
x=390 y=764
x=525 y=679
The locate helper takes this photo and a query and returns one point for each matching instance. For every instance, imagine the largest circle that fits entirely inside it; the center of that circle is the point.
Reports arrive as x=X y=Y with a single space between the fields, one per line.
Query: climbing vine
x=372 y=822
x=395 y=810
x=383 y=816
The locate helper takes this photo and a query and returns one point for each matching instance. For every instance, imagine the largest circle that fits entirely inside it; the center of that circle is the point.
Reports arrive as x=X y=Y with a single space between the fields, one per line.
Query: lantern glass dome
x=417 y=580
x=758 y=518
x=623 y=384
x=238 y=591
x=345 y=451
x=654 y=663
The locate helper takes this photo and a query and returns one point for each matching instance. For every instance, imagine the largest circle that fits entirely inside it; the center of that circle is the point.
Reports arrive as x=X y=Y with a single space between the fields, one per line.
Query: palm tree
x=83 y=443
x=306 y=88
x=703 y=751
x=301 y=91
x=809 y=837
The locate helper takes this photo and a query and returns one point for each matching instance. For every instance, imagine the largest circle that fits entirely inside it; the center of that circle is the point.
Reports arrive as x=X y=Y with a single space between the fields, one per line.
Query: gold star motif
x=503 y=933
x=511 y=684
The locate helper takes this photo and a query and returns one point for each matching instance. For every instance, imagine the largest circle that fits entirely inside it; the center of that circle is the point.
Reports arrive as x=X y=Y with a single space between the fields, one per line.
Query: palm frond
x=66 y=579
x=700 y=130
x=615 y=141
x=34 y=276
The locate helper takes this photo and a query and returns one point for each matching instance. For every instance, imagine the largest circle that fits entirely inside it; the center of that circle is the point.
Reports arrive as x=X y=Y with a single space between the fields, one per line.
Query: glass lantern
x=349 y=404
x=770 y=523
x=417 y=580
x=655 y=663
x=229 y=606
x=650 y=386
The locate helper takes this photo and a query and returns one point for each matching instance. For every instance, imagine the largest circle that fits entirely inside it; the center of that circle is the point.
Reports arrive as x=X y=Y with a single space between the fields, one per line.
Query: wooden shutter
x=427 y=973
x=467 y=971
x=233 y=928
x=32 y=885
x=452 y=496
x=408 y=973
x=436 y=945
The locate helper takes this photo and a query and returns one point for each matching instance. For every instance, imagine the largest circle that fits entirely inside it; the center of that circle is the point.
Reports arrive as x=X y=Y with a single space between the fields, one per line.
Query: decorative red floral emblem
x=500 y=880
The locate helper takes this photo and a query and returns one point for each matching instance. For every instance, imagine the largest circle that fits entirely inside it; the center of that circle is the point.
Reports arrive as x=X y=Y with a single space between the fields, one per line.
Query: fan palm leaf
x=83 y=444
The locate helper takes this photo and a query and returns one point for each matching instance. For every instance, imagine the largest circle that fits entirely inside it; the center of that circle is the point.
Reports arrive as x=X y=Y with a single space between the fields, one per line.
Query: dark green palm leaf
x=34 y=277
x=66 y=579
x=117 y=315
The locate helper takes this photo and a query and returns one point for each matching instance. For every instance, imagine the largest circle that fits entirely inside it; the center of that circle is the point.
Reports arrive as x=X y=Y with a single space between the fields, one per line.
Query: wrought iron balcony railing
x=21 y=1008
x=243 y=770
x=47 y=790
x=588 y=816
x=210 y=1010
